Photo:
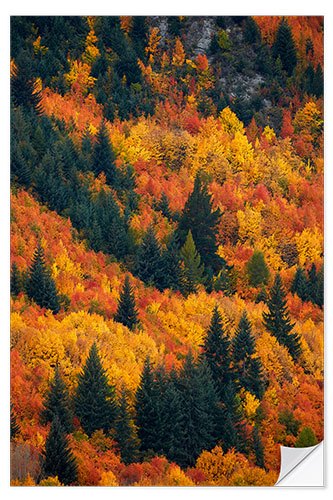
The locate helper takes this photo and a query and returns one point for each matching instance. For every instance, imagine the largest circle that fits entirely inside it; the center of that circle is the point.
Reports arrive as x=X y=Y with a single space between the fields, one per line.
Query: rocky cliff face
x=239 y=76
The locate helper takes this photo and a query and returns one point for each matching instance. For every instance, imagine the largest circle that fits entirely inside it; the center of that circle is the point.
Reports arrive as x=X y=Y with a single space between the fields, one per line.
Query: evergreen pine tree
x=286 y=418
x=125 y=432
x=138 y=35
x=149 y=266
x=94 y=399
x=147 y=415
x=127 y=313
x=108 y=228
x=39 y=143
x=299 y=284
x=199 y=402
x=257 y=269
x=225 y=280
x=312 y=283
x=56 y=404
x=87 y=147
x=173 y=273
x=284 y=46
x=40 y=285
x=277 y=320
x=216 y=349
x=19 y=168
x=163 y=206
x=258 y=447
x=192 y=270
x=320 y=287
x=103 y=157
x=306 y=438
x=248 y=369
x=15 y=281
x=252 y=33
x=229 y=426
x=172 y=418
x=58 y=457
x=318 y=81
x=24 y=90
x=14 y=426
x=199 y=217
x=308 y=79
x=262 y=296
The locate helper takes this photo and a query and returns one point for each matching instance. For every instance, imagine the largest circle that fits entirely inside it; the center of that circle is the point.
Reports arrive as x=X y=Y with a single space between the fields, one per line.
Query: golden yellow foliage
x=27 y=481
x=229 y=122
x=80 y=72
x=250 y=404
x=249 y=221
x=108 y=479
x=38 y=48
x=50 y=481
x=308 y=119
x=176 y=477
x=153 y=41
x=178 y=55
x=309 y=245
x=218 y=466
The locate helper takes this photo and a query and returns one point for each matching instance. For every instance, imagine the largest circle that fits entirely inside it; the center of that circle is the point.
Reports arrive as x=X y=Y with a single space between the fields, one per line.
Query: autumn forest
x=166 y=248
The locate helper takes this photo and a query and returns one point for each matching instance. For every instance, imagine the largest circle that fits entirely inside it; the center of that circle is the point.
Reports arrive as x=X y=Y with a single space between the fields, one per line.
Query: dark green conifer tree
x=58 y=458
x=172 y=418
x=56 y=404
x=306 y=438
x=199 y=408
x=257 y=269
x=308 y=79
x=15 y=281
x=201 y=219
x=284 y=46
x=147 y=414
x=103 y=157
x=277 y=320
x=163 y=206
x=24 y=90
x=127 y=66
x=258 y=447
x=320 y=287
x=14 y=426
x=19 y=167
x=286 y=418
x=262 y=296
x=172 y=264
x=318 y=81
x=230 y=428
x=149 y=266
x=252 y=33
x=94 y=399
x=108 y=229
x=216 y=349
x=192 y=268
x=127 y=313
x=312 y=284
x=111 y=34
x=299 y=284
x=87 y=148
x=138 y=35
x=125 y=432
x=40 y=285
x=39 y=143
x=248 y=369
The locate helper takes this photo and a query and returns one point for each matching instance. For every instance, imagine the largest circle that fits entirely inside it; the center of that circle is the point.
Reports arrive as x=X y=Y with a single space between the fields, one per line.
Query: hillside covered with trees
x=166 y=248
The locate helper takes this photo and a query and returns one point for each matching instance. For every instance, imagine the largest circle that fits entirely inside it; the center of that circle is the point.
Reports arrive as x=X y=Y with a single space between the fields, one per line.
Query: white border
x=144 y=7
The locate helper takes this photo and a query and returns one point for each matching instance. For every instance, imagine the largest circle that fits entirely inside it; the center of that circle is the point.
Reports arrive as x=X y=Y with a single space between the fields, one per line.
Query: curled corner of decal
x=302 y=466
